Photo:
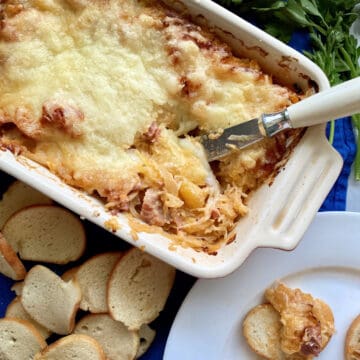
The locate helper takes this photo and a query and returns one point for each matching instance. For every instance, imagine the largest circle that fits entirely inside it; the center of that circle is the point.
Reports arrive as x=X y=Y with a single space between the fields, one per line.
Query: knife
x=336 y=102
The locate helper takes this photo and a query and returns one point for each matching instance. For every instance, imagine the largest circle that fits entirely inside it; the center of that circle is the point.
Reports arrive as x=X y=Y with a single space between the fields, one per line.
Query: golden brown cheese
x=105 y=92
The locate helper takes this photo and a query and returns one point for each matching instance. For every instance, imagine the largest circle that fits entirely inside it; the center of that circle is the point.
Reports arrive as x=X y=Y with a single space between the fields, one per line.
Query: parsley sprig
x=328 y=23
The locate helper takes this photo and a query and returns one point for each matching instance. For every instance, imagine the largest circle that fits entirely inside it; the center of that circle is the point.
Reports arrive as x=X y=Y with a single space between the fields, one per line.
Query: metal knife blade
x=219 y=144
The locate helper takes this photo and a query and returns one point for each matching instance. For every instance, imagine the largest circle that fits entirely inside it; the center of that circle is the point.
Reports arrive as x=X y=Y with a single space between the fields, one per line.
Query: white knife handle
x=336 y=102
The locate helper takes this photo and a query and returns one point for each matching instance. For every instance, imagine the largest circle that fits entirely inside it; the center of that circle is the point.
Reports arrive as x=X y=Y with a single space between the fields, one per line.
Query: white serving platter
x=325 y=264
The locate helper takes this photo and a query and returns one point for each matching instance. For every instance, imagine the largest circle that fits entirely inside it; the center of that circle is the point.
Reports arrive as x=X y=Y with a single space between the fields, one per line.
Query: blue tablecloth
x=101 y=240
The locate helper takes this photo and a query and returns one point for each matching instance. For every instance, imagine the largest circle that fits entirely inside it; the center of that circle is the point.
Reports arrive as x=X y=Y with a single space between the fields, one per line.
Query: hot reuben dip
x=112 y=95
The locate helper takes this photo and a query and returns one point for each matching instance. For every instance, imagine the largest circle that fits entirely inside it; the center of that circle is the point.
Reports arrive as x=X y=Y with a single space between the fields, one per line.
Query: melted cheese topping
x=100 y=91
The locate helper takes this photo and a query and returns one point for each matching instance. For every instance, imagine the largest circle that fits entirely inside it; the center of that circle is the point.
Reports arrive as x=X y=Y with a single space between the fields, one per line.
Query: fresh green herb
x=328 y=23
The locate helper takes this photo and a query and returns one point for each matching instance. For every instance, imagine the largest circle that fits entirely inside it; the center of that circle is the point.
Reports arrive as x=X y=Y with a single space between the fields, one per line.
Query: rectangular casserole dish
x=279 y=214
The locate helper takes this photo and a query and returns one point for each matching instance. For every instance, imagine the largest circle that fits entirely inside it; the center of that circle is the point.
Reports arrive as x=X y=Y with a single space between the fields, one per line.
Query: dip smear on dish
x=110 y=95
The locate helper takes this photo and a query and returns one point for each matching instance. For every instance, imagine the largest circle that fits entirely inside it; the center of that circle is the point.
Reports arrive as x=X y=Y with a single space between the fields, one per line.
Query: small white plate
x=326 y=263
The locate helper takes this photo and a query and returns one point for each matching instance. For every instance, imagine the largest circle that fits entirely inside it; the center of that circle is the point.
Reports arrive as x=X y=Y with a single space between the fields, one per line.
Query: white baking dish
x=279 y=214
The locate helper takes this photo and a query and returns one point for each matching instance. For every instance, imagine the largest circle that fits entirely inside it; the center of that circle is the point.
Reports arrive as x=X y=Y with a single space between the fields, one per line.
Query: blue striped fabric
x=344 y=143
